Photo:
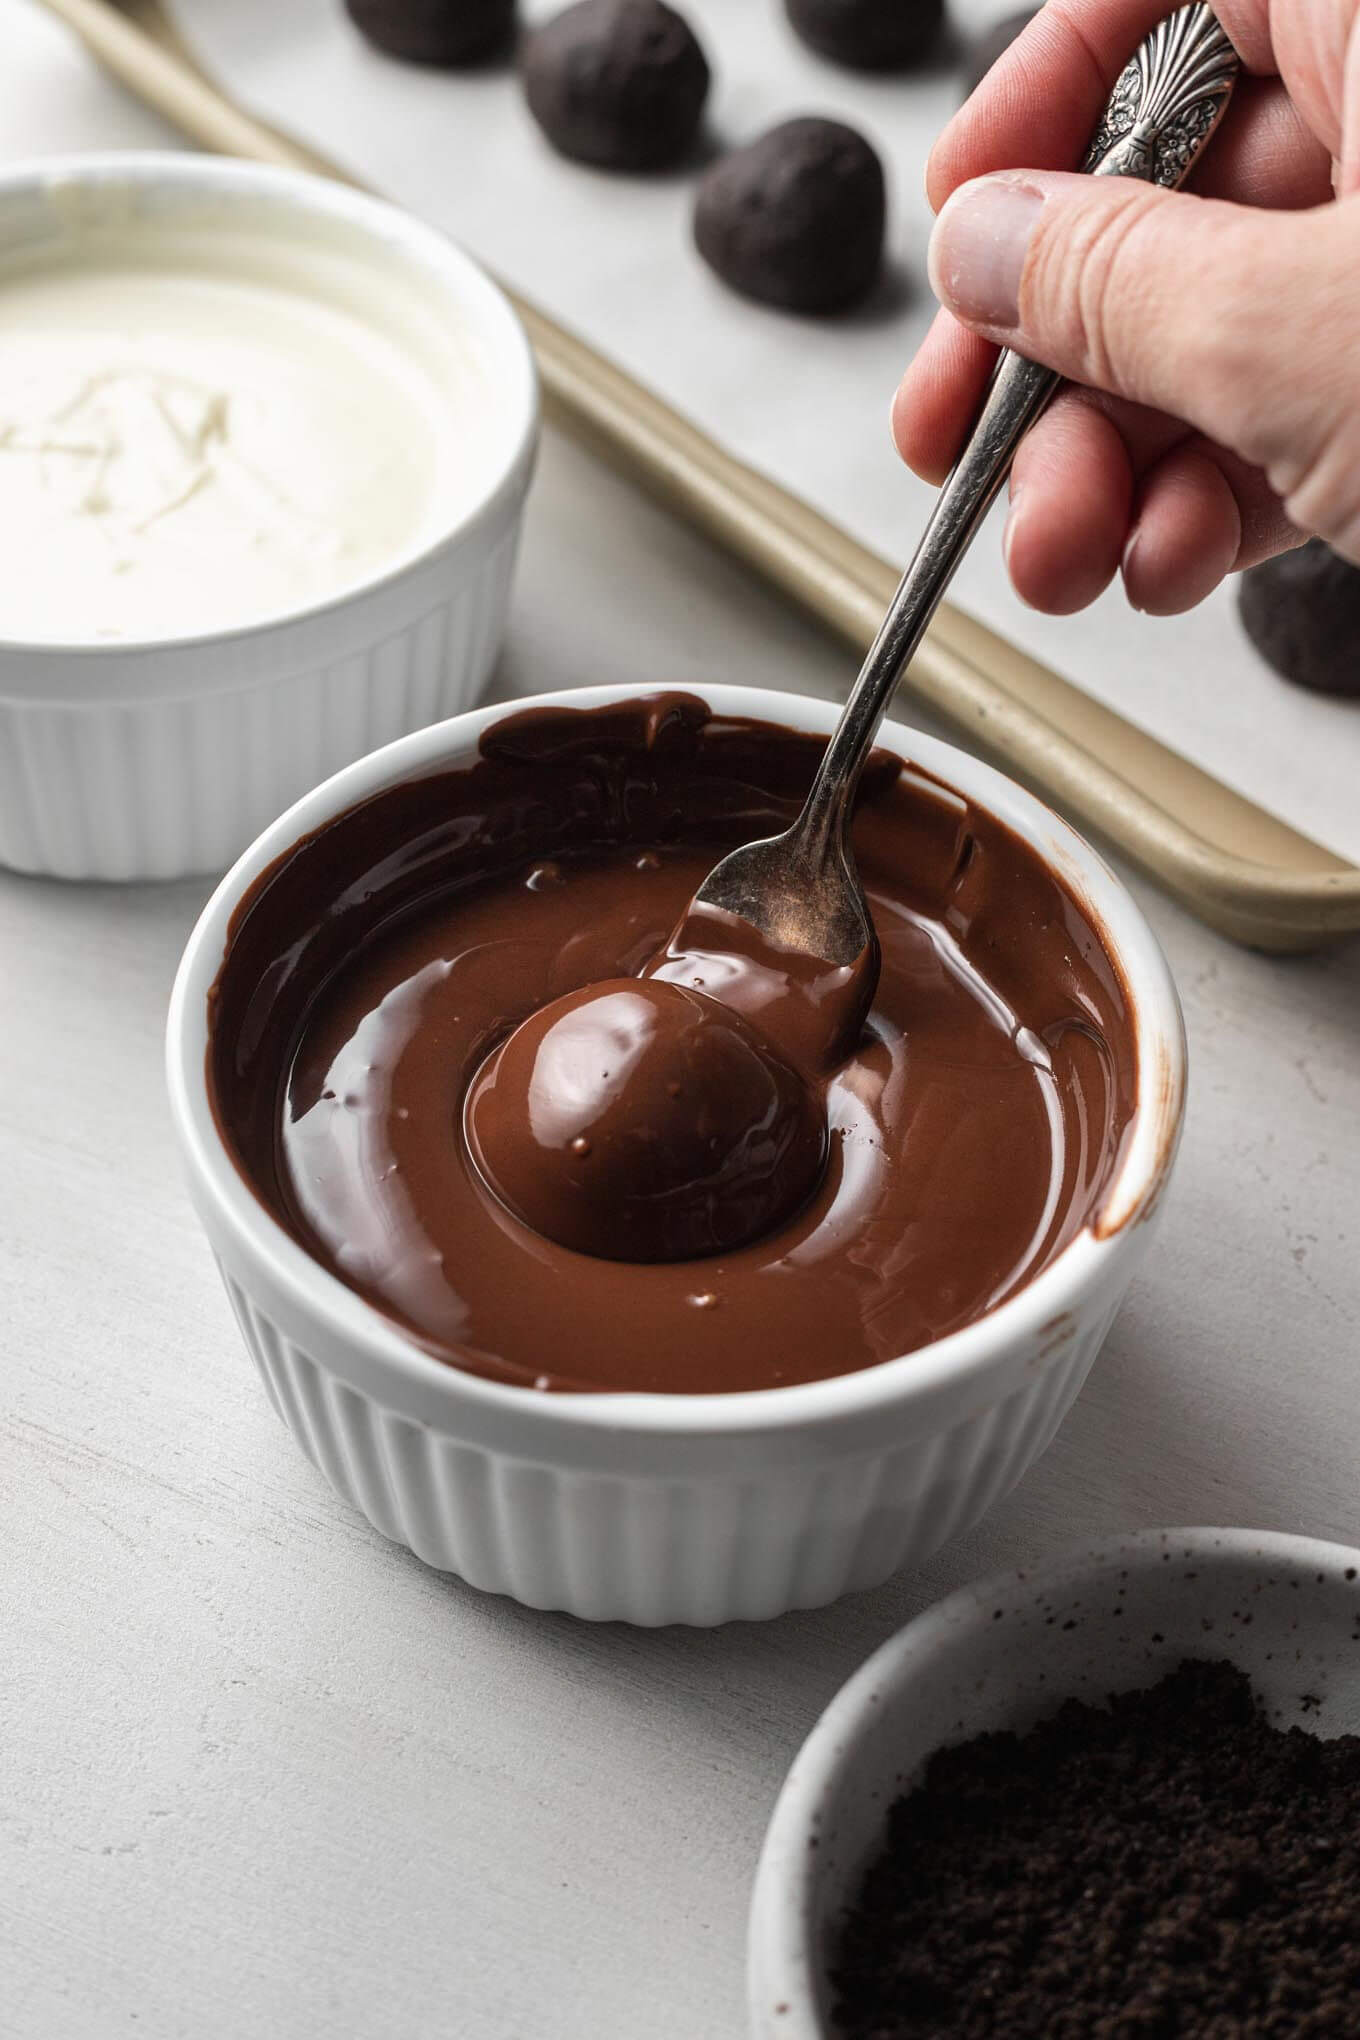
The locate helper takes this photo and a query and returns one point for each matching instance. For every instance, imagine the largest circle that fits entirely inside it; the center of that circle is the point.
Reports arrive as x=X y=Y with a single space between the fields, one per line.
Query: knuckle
x=1215 y=363
x=1320 y=484
x=1091 y=282
x=1346 y=541
x=1299 y=400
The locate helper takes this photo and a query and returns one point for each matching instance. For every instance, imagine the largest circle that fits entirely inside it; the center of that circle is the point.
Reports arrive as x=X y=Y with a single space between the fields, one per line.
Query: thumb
x=1241 y=322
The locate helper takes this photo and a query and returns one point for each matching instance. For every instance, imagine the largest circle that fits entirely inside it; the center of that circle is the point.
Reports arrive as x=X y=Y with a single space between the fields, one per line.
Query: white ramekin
x=653 y=1508
x=1094 y=1621
x=138 y=761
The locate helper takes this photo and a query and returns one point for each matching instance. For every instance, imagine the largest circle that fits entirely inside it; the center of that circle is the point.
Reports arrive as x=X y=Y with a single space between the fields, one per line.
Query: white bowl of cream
x=264 y=447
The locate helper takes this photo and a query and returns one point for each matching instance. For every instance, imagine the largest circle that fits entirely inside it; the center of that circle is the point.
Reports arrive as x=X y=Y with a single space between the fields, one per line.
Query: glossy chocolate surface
x=640 y=1120
x=974 y=1128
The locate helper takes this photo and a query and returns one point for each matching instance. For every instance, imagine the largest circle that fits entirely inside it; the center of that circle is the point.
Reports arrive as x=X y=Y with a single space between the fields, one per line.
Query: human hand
x=1215 y=333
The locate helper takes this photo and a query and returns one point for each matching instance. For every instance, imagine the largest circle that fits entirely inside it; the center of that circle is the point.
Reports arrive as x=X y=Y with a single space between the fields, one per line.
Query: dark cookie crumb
x=617 y=83
x=1302 y=613
x=796 y=218
x=442 y=32
x=1167 y=1867
x=993 y=44
x=869 y=35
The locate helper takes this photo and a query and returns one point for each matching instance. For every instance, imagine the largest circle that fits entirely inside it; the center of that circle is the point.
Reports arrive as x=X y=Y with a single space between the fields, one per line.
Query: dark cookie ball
x=869 y=35
x=446 y=32
x=993 y=44
x=1302 y=613
x=796 y=219
x=620 y=83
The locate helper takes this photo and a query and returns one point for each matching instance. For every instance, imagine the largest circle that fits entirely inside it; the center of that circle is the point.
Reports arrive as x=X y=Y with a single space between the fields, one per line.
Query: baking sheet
x=804 y=400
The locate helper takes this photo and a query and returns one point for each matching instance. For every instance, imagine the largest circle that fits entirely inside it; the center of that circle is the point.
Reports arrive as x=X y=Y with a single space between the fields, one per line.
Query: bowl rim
x=782 y=1960
x=1036 y=1316
x=433 y=259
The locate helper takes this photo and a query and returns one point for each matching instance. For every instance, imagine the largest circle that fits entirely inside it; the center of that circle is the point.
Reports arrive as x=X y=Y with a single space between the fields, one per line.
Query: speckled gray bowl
x=1002 y=1654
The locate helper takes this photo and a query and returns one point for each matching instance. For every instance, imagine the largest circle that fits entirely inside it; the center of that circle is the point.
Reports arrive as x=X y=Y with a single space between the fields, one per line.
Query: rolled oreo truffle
x=1302 y=613
x=993 y=44
x=796 y=218
x=868 y=35
x=442 y=32
x=618 y=83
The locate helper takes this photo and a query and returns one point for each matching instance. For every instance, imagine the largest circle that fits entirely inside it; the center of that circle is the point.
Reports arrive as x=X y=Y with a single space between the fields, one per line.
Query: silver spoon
x=801 y=888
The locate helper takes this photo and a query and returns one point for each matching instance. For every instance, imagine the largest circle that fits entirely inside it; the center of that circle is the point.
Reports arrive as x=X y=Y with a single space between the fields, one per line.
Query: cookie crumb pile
x=1168 y=1865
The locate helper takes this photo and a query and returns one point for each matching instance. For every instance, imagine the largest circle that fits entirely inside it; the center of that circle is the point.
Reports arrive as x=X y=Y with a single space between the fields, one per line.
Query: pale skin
x=1215 y=333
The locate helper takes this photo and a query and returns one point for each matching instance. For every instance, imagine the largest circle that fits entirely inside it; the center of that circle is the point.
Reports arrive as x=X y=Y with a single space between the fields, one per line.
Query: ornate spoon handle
x=1163 y=111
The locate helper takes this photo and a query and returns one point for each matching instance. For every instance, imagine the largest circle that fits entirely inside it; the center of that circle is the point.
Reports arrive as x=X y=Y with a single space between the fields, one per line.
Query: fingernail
x=898 y=403
x=1126 y=567
x=1008 y=535
x=979 y=246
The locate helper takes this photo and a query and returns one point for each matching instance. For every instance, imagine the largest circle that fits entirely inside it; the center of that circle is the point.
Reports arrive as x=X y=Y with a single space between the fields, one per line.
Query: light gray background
x=263 y=1774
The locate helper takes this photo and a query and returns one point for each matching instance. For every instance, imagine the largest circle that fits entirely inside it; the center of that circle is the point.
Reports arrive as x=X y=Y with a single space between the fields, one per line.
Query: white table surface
x=263 y=1774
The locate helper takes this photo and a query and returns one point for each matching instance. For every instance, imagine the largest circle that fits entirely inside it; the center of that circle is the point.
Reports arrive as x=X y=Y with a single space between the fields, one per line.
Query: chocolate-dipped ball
x=796 y=218
x=444 y=32
x=993 y=44
x=618 y=83
x=637 y=1120
x=868 y=35
x=1302 y=613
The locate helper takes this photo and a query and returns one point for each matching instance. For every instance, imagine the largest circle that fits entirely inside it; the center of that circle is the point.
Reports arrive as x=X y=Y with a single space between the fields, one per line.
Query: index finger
x=1040 y=105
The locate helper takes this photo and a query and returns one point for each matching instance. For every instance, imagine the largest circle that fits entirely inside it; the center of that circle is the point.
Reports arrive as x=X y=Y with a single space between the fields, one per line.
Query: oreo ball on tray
x=868 y=35
x=442 y=32
x=617 y=83
x=1302 y=613
x=796 y=218
x=992 y=45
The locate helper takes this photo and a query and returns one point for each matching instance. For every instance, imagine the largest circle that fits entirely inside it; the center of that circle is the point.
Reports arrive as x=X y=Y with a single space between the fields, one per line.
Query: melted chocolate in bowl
x=974 y=1129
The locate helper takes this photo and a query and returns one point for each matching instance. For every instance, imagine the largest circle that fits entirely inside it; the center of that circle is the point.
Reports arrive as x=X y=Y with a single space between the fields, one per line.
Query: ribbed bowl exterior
x=699 y=1549
x=657 y=1509
x=166 y=787
x=166 y=759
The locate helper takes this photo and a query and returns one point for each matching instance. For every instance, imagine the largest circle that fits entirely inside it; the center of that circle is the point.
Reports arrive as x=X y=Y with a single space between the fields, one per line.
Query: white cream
x=194 y=438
